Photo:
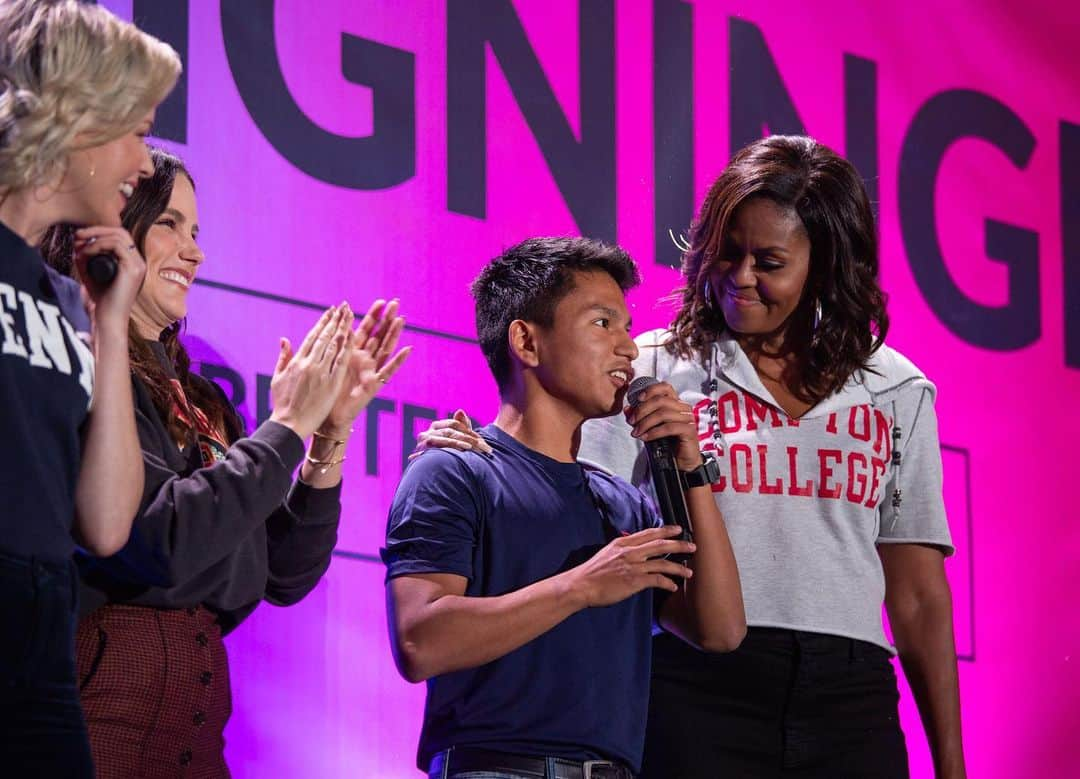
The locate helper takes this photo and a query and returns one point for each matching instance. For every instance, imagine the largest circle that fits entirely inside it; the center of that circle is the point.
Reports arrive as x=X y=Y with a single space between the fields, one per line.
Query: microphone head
x=637 y=386
x=102 y=268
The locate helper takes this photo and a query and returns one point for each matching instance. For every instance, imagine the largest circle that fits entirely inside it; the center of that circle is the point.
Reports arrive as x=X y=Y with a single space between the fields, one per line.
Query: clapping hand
x=306 y=383
x=372 y=362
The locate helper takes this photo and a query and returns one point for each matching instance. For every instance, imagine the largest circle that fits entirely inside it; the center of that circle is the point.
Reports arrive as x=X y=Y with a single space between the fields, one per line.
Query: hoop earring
x=707 y=294
x=817 y=318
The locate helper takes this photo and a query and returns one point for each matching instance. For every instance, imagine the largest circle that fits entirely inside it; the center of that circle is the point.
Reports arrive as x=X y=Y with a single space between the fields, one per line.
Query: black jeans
x=42 y=732
x=784 y=705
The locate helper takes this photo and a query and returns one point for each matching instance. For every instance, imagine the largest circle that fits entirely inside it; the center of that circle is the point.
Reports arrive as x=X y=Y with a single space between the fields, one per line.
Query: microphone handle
x=102 y=268
x=667 y=483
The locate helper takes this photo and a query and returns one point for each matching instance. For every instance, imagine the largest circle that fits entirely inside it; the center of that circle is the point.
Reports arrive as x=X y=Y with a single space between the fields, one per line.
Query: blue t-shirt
x=505 y=521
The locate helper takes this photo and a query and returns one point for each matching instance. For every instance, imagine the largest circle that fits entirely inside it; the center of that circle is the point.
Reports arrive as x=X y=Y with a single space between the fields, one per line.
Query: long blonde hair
x=69 y=68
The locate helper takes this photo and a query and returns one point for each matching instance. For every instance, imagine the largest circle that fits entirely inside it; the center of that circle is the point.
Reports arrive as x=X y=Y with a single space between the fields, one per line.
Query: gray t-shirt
x=805 y=500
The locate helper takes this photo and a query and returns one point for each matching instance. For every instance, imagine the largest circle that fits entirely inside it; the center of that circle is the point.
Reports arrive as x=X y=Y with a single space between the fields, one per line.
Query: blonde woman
x=78 y=90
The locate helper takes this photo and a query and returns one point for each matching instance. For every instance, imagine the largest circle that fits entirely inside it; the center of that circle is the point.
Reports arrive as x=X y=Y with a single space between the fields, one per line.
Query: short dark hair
x=828 y=194
x=528 y=280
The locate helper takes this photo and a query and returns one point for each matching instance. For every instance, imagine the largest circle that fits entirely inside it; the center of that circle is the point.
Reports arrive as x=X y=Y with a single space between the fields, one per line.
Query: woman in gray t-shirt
x=830 y=484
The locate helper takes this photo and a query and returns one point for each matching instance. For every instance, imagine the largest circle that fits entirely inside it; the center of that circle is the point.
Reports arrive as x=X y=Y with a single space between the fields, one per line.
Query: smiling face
x=100 y=179
x=760 y=272
x=583 y=359
x=172 y=259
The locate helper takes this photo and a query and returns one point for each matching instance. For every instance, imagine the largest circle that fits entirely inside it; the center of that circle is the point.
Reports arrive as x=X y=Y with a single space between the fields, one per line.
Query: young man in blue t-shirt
x=520 y=582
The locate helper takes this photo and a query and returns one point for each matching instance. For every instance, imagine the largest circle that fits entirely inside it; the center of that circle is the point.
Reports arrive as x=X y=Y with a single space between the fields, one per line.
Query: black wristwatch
x=706 y=473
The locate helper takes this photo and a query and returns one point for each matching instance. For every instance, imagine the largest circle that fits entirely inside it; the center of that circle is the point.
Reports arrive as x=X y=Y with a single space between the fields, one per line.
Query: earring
x=817 y=316
x=707 y=292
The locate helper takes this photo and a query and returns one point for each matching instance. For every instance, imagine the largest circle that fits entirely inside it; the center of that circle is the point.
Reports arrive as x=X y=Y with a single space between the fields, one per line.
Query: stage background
x=351 y=149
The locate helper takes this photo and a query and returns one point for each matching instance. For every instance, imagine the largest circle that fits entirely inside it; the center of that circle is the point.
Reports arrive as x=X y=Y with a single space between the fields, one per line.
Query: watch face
x=706 y=473
x=710 y=469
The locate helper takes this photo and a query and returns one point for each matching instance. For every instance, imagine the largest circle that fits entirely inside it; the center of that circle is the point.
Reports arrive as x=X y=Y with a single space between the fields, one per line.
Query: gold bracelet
x=326 y=464
x=327 y=455
x=339 y=442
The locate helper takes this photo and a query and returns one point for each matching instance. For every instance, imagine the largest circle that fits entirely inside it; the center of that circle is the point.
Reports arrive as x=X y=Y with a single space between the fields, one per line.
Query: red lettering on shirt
x=757 y=410
x=736 y=450
x=729 y=400
x=882 y=435
x=703 y=430
x=777 y=487
x=859 y=422
x=856 y=476
x=877 y=470
x=824 y=489
x=793 y=488
x=856 y=480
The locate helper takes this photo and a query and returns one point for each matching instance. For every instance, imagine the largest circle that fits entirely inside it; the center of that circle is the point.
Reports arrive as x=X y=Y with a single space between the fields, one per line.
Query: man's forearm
x=708 y=610
x=454 y=632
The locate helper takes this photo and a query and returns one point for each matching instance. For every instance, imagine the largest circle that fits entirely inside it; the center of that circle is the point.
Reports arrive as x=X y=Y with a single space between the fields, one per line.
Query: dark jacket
x=224 y=536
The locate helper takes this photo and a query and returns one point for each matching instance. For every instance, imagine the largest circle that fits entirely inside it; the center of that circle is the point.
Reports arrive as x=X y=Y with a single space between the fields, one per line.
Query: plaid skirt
x=154 y=686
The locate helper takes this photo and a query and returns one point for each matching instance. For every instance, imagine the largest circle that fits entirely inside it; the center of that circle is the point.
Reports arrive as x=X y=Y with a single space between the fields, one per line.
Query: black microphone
x=102 y=268
x=667 y=482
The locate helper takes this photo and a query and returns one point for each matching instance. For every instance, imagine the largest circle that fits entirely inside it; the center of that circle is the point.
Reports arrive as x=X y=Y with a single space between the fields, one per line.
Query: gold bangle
x=325 y=465
x=324 y=437
x=329 y=455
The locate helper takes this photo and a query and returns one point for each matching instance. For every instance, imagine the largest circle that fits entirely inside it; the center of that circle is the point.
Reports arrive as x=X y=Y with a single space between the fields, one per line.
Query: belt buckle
x=588 y=766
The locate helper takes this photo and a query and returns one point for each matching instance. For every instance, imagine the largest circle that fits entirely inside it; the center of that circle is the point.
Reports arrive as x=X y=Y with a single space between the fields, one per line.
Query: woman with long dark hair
x=223 y=525
x=78 y=91
x=830 y=486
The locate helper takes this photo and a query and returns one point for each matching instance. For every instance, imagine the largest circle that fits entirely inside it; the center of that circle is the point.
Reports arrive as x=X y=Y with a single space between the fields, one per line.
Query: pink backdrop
x=316 y=693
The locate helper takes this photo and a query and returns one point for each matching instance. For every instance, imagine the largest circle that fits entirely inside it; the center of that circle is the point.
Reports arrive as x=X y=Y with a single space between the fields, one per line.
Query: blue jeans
x=42 y=732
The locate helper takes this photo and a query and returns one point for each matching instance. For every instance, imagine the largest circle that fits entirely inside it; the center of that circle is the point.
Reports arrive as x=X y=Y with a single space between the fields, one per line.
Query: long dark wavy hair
x=146 y=205
x=828 y=194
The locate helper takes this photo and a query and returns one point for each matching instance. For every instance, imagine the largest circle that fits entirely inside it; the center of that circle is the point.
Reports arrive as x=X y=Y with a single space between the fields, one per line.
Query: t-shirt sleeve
x=434 y=522
x=624 y=506
x=650 y=515
x=606 y=443
x=920 y=517
x=644 y=508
